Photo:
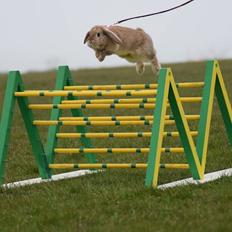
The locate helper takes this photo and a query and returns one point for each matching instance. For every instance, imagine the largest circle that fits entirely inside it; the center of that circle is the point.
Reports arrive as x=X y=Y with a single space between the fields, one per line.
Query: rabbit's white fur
x=134 y=45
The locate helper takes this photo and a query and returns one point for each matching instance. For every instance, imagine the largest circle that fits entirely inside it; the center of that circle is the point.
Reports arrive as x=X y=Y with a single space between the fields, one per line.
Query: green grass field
x=116 y=200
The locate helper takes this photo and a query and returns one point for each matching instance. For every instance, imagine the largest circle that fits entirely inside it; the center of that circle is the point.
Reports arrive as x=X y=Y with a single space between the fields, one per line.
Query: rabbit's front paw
x=100 y=55
x=101 y=58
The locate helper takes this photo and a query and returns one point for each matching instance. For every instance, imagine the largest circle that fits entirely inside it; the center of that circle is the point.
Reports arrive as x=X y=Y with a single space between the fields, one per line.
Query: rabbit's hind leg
x=155 y=66
x=140 y=67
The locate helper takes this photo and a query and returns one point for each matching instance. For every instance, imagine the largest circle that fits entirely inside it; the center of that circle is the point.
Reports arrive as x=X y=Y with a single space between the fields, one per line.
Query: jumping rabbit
x=134 y=45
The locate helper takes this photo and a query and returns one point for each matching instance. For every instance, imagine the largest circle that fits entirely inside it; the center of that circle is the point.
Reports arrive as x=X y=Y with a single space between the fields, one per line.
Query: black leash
x=156 y=13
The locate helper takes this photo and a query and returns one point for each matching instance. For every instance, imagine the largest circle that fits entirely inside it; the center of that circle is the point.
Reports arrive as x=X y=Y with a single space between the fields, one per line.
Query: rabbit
x=134 y=45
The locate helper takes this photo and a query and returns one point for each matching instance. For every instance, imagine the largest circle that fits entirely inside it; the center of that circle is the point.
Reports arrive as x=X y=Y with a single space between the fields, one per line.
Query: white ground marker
x=207 y=178
x=63 y=176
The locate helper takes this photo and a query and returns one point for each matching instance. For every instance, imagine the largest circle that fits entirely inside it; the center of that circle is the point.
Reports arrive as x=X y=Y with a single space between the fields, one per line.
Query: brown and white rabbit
x=134 y=45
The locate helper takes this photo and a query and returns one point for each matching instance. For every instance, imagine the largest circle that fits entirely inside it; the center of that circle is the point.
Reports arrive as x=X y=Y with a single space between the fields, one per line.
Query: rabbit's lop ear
x=86 y=37
x=112 y=35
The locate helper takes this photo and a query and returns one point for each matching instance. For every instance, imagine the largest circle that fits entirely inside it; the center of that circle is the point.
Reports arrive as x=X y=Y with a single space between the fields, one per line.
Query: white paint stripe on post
x=57 y=177
x=207 y=178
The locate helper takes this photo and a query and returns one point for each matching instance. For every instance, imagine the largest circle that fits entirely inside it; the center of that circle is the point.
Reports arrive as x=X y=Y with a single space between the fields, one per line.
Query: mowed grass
x=116 y=200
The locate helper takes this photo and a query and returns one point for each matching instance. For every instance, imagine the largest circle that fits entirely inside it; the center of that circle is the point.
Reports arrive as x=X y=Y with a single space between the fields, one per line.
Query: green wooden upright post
x=6 y=119
x=214 y=84
x=33 y=133
x=14 y=83
x=224 y=103
x=206 y=112
x=167 y=90
x=184 y=131
x=195 y=153
x=157 y=130
x=61 y=81
x=64 y=79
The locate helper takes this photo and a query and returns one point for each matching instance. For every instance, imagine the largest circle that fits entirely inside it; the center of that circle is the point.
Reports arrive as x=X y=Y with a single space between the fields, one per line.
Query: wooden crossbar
x=124 y=118
x=127 y=100
x=117 y=134
x=132 y=86
x=115 y=165
x=91 y=106
x=95 y=123
x=85 y=93
x=115 y=150
x=102 y=123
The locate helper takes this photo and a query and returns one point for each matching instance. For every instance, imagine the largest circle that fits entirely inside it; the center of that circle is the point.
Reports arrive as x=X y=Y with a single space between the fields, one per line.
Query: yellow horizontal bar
x=108 y=118
x=127 y=100
x=99 y=150
x=123 y=118
x=95 y=123
x=114 y=150
x=103 y=135
x=93 y=166
x=115 y=165
x=175 y=166
x=90 y=106
x=86 y=93
x=132 y=86
x=190 y=84
x=112 y=87
x=117 y=135
x=109 y=101
x=104 y=123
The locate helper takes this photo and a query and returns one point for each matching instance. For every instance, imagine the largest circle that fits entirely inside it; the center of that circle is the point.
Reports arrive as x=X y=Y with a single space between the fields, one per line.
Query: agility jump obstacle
x=162 y=106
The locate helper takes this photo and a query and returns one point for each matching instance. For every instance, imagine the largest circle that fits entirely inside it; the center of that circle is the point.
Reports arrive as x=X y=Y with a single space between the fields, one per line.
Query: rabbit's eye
x=98 y=34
